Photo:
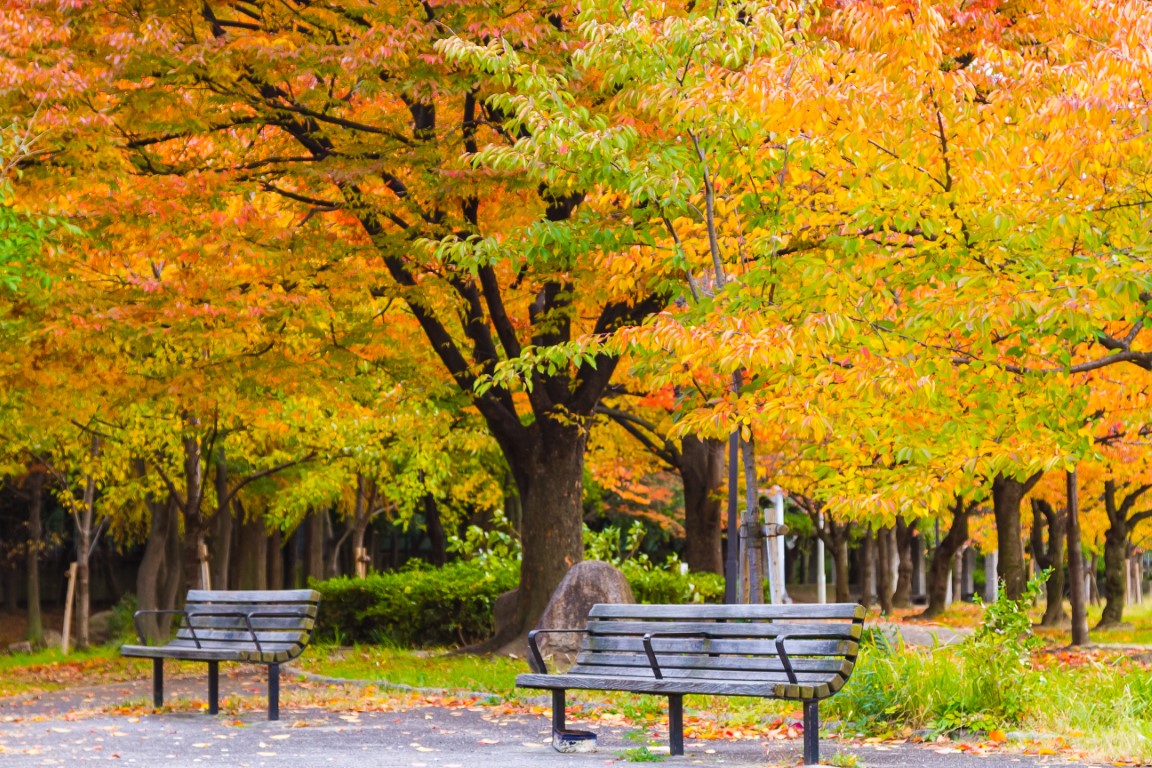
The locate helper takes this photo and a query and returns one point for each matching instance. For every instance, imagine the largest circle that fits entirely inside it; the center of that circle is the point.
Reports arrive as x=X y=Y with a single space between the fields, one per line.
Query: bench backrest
x=726 y=644
x=280 y=621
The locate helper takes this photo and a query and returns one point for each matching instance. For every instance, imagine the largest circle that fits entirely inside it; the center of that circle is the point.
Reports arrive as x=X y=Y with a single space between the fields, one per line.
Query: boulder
x=100 y=628
x=587 y=583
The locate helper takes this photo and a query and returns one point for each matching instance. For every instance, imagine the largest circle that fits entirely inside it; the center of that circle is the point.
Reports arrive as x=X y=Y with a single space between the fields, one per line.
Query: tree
x=360 y=135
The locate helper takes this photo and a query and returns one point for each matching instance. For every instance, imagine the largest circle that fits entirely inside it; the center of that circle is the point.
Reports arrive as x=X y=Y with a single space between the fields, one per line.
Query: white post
x=779 y=502
x=1129 y=593
x=774 y=549
x=821 y=579
x=894 y=557
x=920 y=588
x=948 y=585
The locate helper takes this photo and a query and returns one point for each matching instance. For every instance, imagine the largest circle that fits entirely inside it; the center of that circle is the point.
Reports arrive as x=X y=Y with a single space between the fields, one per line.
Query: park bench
x=797 y=652
x=261 y=627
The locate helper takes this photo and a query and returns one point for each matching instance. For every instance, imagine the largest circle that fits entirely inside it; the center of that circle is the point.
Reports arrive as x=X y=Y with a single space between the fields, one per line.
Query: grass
x=418 y=669
x=1136 y=628
x=50 y=670
x=1098 y=702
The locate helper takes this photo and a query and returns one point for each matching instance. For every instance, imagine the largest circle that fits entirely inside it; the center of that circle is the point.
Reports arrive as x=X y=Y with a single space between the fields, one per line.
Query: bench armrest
x=784 y=660
x=535 y=660
x=659 y=675
x=140 y=633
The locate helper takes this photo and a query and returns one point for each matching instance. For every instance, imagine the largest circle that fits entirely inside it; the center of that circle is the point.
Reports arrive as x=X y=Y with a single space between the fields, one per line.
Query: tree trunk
x=152 y=575
x=222 y=535
x=1076 y=563
x=884 y=551
x=35 y=634
x=314 y=547
x=435 y=528
x=252 y=552
x=905 y=534
x=702 y=472
x=550 y=479
x=867 y=558
x=1115 y=554
x=1044 y=516
x=1007 y=493
x=942 y=557
x=835 y=538
x=193 y=516
x=276 y=559
x=84 y=519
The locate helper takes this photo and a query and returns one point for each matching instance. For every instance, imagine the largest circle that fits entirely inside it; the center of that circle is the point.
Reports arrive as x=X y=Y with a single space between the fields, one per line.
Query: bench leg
x=564 y=740
x=811 y=733
x=675 y=724
x=158 y=683
x=273 y=691
x=558 y=721
x=213 y=687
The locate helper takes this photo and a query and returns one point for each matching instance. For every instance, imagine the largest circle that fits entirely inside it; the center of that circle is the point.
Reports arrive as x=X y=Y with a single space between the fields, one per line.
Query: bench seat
x=259 y=627
x=796 y=652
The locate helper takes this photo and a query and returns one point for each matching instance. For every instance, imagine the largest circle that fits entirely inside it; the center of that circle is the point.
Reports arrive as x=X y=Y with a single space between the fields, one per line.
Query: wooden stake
x=205 y=574
x=68 y=608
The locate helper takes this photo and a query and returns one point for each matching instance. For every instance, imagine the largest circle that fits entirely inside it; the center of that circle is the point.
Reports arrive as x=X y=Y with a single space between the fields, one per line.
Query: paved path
x=76 y=728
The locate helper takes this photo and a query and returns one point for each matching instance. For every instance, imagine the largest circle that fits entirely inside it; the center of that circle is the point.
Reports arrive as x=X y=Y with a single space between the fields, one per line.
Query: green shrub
x=986 y=682
x=670 y=585
x=416 y=607
x=651 y=583
x=121 y=627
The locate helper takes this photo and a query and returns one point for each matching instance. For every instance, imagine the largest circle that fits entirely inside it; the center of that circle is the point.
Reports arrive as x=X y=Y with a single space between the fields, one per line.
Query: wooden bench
x=262 y=627
x=797 y=652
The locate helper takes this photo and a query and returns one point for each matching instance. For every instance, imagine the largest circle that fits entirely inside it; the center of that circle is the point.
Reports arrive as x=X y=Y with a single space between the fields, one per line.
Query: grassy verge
x=1095 y=701
x=51 y=670
x=418 y=669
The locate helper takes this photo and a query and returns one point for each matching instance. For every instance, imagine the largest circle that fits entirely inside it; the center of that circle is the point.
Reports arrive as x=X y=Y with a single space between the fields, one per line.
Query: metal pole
x=732 y=559
x=821 y=578
x=780 y=545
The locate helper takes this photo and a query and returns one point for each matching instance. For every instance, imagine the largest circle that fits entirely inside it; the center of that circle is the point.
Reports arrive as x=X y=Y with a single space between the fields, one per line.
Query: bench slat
x=674 y=686
x=696 y=661
x=635 y=644
x=263 y=598
x=736 y=629
x=290 y=611
x=242 y=636
x=259 y=624
x=696 y=611
x=699 y=673
x=186 y=653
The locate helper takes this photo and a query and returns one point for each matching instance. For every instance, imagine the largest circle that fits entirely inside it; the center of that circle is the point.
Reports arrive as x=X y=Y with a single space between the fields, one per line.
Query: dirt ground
x=14 y=626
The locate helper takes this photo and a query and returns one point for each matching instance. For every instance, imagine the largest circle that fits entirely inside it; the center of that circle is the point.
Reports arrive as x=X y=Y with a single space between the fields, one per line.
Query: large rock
x=100 y=628
x=587 y=583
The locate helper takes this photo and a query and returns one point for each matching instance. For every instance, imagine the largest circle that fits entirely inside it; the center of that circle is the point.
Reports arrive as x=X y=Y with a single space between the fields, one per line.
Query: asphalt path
x=75 y=727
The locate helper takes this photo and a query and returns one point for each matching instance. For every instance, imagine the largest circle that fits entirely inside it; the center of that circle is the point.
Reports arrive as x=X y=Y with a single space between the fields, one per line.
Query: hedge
x=414 y=607
x=449 y=606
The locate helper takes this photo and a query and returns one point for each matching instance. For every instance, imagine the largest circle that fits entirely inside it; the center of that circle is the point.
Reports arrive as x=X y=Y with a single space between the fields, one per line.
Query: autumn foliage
x=269 y=258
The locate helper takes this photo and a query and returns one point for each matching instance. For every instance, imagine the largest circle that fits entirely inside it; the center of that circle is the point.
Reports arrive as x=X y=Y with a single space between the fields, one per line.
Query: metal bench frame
x=210 y=632
x=795 y=652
